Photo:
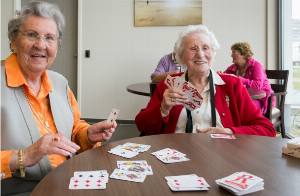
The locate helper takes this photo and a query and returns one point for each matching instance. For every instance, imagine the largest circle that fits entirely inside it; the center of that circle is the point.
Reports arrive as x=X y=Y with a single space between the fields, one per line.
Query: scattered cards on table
x=292 y=148
x=135 y=171
x=222 y=136
x=113 y=116
x=241 y=183
x=194 y=97
x=129 y=150
x=190 y=182
x=169 y=155
x=89 y=180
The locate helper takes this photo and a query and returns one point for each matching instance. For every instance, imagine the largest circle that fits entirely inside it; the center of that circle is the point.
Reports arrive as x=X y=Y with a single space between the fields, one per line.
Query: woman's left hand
x=215 y=130
x=101 y=131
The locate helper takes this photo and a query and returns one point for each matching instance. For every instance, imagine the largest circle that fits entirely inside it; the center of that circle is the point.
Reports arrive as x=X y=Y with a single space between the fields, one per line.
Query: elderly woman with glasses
x=226 y=108
x=251 y=72
x=40 y=117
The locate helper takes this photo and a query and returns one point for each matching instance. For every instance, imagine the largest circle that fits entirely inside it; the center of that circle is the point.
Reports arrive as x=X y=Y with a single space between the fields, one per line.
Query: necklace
x=45 y=123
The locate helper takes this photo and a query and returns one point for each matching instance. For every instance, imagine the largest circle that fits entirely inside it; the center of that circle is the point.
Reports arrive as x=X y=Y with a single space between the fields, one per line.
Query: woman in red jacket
x=230 y=110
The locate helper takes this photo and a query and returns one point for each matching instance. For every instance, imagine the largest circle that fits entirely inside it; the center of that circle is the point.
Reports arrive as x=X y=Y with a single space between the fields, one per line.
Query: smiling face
x=35 y=56
x=197 y=54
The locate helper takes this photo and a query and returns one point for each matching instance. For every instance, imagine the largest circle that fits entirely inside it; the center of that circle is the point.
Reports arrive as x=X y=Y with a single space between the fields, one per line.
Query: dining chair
x=276 y=115
x=152 y=88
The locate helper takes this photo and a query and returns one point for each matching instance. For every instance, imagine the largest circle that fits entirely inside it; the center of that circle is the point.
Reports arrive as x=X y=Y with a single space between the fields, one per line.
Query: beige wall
x=128 y=54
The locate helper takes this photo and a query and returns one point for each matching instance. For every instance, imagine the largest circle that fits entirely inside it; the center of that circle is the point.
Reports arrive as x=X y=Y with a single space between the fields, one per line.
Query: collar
x=15 y=76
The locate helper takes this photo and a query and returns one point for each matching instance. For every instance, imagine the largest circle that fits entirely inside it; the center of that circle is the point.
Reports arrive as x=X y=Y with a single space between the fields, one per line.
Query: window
x=290 y=60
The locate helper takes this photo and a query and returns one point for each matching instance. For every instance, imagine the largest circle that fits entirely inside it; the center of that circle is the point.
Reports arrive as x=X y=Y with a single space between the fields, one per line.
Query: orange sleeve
x=5 y=169
x=80 y=127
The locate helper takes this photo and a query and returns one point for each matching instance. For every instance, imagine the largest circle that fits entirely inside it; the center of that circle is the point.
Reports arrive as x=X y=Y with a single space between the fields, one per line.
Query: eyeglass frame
x=197 y=49
x=36 y=37
x=235 y=53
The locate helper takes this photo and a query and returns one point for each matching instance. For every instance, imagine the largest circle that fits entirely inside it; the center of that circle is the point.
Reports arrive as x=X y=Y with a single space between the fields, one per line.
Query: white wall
x=122 y=54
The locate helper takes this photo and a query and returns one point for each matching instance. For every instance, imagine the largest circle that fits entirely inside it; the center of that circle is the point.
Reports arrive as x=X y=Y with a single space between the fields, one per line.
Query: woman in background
x=251 y=72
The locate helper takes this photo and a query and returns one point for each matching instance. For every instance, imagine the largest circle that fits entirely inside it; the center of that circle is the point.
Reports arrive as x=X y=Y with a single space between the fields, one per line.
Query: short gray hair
x=196 y=29
x=35 y=8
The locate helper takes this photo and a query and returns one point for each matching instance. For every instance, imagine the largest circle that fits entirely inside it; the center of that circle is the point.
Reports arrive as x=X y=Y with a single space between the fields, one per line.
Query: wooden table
x=209 y=158
x=144 y=89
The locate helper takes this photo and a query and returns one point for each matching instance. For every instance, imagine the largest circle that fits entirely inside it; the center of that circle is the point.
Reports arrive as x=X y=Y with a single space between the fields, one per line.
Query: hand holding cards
x=194 y=97
x=113 y=116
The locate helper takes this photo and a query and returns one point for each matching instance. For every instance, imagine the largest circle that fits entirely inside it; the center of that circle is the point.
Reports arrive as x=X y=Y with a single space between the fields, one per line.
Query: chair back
x=152 y=88
x=279 y=89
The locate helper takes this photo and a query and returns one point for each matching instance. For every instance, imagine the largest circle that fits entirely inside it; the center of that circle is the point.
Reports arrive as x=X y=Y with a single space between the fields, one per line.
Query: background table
x=144 y=89
x=209 y=158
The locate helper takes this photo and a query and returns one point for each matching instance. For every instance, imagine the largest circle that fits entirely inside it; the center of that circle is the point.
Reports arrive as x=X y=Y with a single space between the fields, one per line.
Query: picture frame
x=167 y=12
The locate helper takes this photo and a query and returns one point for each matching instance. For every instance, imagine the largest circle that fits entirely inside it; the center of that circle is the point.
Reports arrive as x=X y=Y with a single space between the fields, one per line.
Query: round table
x=209 y=158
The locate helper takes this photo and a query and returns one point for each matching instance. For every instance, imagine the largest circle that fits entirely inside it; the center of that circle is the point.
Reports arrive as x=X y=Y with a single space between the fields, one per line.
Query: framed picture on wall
x=167 y=12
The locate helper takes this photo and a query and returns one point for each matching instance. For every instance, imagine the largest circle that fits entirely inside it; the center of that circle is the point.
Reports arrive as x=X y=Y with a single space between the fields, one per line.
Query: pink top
x=255 y=76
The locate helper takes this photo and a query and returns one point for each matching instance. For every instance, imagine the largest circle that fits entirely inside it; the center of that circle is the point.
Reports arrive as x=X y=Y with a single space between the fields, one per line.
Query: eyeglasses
x=205 y=49
x=234 y=53
x=34 y=37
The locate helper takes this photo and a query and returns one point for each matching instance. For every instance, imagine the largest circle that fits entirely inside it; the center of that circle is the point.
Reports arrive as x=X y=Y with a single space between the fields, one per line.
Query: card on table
x=222 y=136
x=187 y=183
x=136 y=147
x=87 y=183
x=147 y=170
x=241 y=183
x=92 y=174
x=127 y=175
x=168 y=155
x=118 y=150
x=132 y=163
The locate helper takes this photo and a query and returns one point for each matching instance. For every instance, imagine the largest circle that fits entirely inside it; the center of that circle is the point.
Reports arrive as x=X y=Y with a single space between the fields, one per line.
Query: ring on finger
x=56 y=139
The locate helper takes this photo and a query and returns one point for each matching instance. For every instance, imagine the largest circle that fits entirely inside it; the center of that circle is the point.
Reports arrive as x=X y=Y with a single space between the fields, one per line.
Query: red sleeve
x=246 y=117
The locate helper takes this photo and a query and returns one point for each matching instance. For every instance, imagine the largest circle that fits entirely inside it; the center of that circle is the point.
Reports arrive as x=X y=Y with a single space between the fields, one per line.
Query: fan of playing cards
x=190 y=182
x=135 y=171
x=292 y=148
x=169 y=155
x=89 y=180
x=194 y=97
x=241 y=183
x=129 y=150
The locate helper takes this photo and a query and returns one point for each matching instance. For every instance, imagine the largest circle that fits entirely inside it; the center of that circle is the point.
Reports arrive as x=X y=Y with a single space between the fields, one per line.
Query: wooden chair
x=276 y=115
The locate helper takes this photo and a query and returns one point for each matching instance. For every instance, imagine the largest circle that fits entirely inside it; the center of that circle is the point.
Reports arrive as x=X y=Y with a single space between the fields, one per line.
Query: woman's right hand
x=48 y=144
x=172 y=97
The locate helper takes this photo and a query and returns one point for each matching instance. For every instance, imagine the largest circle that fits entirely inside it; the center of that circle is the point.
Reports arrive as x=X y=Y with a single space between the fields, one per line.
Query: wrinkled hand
x=97 y=133
x=45 y=146
x=215 y=130
x=172 y=97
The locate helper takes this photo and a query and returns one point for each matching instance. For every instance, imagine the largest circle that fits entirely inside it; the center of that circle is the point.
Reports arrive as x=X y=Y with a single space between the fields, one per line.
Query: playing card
x=113 y=116
x=294 y=153
x=187 y=189
x=127 y=175
x=168 y=151
x=87 y=183
x=168 y=155
x=132 y=163
x=147 y=170
x=118 y=150
x=135 y=147
x=240 y=180
x=92 y=174
x=222 y=136
x=187 y=181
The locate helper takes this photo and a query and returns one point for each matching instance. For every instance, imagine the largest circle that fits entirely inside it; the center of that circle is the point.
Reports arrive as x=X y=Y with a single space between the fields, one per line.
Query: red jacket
x=241 y=116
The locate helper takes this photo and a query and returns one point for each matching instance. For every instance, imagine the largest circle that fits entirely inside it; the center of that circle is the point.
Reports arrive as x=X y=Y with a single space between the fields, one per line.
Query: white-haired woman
x=226 y=108
x=40 y=118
